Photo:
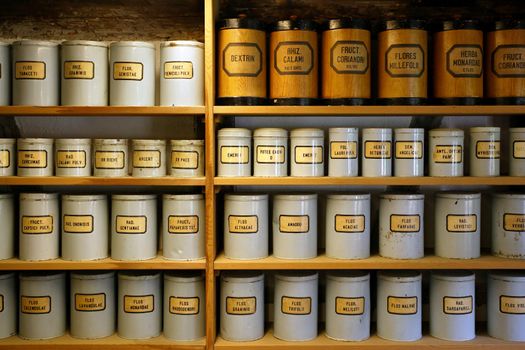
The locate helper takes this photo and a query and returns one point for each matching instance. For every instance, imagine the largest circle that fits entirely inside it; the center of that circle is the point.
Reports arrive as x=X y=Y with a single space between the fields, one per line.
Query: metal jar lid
x=404 y=23
x=84 y=43
x=241 y=22
x=346 y=23
x=508 y=23
x=294 y=24
x=178 y=43
x=459 y=24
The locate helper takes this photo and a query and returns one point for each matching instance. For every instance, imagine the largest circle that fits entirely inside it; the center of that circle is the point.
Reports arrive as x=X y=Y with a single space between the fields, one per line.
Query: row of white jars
x=86 y=229
x=137 y=309
x=348 y=306
x=347 y=228
x=106 y=157
x=307 y=152
x=82 y=74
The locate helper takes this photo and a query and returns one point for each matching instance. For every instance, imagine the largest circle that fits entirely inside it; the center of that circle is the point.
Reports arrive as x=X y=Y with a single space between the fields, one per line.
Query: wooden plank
x=99 y=181
x=83 y=111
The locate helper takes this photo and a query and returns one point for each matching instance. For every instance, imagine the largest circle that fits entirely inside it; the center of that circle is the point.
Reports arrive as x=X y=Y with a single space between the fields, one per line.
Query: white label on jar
x=378 y=149
x=139 y=304
x=131 y=224
x=37 y=224
x=5 y=158
x=241 y=305
x=90 y=302
x=349 y=223
x=294 y=58
x=71 y=159
x=514 y=222
x=1 y=303
x=33 y=70
x=447 y=154
x=183 y=224
x=404 y=223
x=235 y=154
x=457 y=305
x=35 y=304
x=402 y=305
x=296 y=305
x=184 y=306
x=184 y=159
x=343 y=150
x=178 y=70
x=308 y=154
x=270 y=154
x=350 y=306
x=127 y=71
x=462 y=223
x=243 y=223
x=77 y=223
x=409 y=149
x=79 y=70
x=32 y=159
x=512 y=304
x=294 y=223
x=146 y=159
x=109 y=159
x=488 y=149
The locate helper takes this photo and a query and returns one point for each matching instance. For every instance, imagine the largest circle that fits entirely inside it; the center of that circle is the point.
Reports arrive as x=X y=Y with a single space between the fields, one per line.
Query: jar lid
x=38 y=196
x=242 y=276
x=516 y=130
x=142 y=44
x=297 y=276
x=187 y=142
x=402 y=196
x=294 y=24
x=350 y=196
x=42 y=276
x=182 y=197
x=454 y=275
x=446 y=132
x=307 y=132
x=6 y=195
x=508 y=23
x=84 y=43
x=509 y=195
x=7 y=141
x=458 y=195
x=411 y=131
x=4 y=43
x=92 y=275
x=485 y=129
x=73 y=141
x=122 y=142
x=403 y=23
x=400 y=276
x=245 y=197
x=133 y=197
x=343 y=130
x=35 y=140
x=508 y=276
x=346 y=23
x=176 y=43
x=459 y=24
x=241 y=22
x=295 y=197
x=373 y=131
x=234 y=132
x=83 y=198
x=146 y=142
x=183 y=276
x=35 y=43
x=138 y=276
x=270 y=132
x=348 y=276
x=6 y=275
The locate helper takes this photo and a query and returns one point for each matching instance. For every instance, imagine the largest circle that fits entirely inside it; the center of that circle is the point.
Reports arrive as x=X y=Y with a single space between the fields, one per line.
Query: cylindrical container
x=446 y=152
x=35 y=157
x=246 y=226
x=182 y=73
x=504 y=62
x=85 y=223
x=399 y=305
x=8 y=301
x=457 y=225
x=73 y=157
x=344 y=151
x=7 y=151
x=43 y=305
x=401 y=226
x=133 y=227
x=347 y=226
x=270 y=146
x=36 y=73
x=148 y=158
x=110 y=158
x=506 y=305
x=508 y=225
x=92 y=305
x=242 y=59
x=242 y=305
x=484 y=151
x=307 y=147
x=295 y=305
x=39 y=220
x=7 y=230
x=132 y=73
x=234 y=156
x=183 y=223
x=452 y=305
x=294 y=62
x=458 y=62
x=5 y=74
x=402 y=58
x=184 y=306
x=377 y=152
x=139 y=305
x=348 y=305
x=409 y=152
x=346 y=61
x=295 y=226
x=84 y=73
x=517 y=151
x=187 y=158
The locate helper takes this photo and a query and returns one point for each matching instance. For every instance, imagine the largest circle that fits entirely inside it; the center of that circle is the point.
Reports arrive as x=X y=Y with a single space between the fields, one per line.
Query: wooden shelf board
x=81 y=111
x=100 y=181
x=369 y=110
x=111 y=342
x=322 y=262
x=322 y=342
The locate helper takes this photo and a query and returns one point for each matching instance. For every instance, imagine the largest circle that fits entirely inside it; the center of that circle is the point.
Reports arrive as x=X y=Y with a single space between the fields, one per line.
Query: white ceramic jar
x=85 y=223
x=84 y=78
x=485 y=151
x=73 y=157
x=35 y=157
x=446 y=151
x=110 y=157
x=234 y=152
x=307 y=152
x=7 y=154
x=133 y=227
x=347 y=226
x=148 y=158
x=182 y=73
x=270 y=147
x=508 y=225
x=8 y=302
x=7 y=230
x=183 y=226
x=517 y=151
x=376 y=152
x=39 y=221
x=344 y=152
x=187 y=158
x=131 y=73
x=36 y=73
x=409 y=152
x=5 y=73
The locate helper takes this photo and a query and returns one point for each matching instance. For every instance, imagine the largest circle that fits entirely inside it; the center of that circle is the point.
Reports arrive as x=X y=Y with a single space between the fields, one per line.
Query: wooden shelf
x=322 y=342
x=81 y=111
x=100 y=181
x=112 y=342
x=375 y=262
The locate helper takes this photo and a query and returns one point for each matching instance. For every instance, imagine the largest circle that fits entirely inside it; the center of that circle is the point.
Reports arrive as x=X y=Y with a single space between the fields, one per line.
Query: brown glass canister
x=505 y=62
x=458 y=62
x=242 y=62
x=402 y=62
x=294 y=62
x=346 y=61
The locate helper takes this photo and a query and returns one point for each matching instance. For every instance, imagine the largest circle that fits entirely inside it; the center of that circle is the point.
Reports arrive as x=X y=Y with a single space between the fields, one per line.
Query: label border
x=178 y=297
x=220 y=155
x=146 y=167
x=35 y=296
x=81 y=233
x=419 y=223
x=435 y=161
x=302 y=298
x=291 y=43
x=141 y=70
x=455 y=75
x=30 y=150
x=251 y=297
x=396 y=313
x=164 y=70
x=174 y=167
x=8 y=158
x=64 y=70
x=295 y=155
x=403 y=158
x=355 y=42
x=510 y=296
x=294 y=216
x=405 y=75
x=493 y=54
x=104 y=168
x=355 y=298
x=505 y=214
x=76 y=167
x=356 y=150
x=487 y=141
x=37 y=216
x=378 y=141
x=272 y=146
x=45 y=70
x=132 y=216
x=252 y=75
x=85 y=294
x=446 y=222
x=352 y=215
x=472 y=306
x=183 y=233
x=243 y=233
x=140 y=296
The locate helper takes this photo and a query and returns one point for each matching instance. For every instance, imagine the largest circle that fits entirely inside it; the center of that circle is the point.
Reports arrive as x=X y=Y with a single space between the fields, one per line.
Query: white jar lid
x=109 y=142
x=377 y=131
x=516 y=196
x=145 y=142
x=6 y=196
x=183 y=276
x=175 y=43
x=400 y=276
x=242 y=276
x=343 y=131
x=348 y=276
x=454 y=275
x=84 y=43
x=350 y=196
x=4 y=43
x=411 y=131
x=142 y=44
x=516 y=130
x=187 y=142
x=235 y=132
x=133 y=197
x=35 y=43
x=458 y=195
x=43 y=141
x=295 y=197
x=508 y=276
x=307 y=132
x=182 y=197
x=270 y=132
x=83 y=198
x=402 y=196
x=92 y=275
x=447 y=132
x=245 y=197
x=138 y=276
x=297 y=276
x=6 y=275
x=38 y=196
x=7 y=141
x=477 y=129
x=72 y=142
x=42 y=276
